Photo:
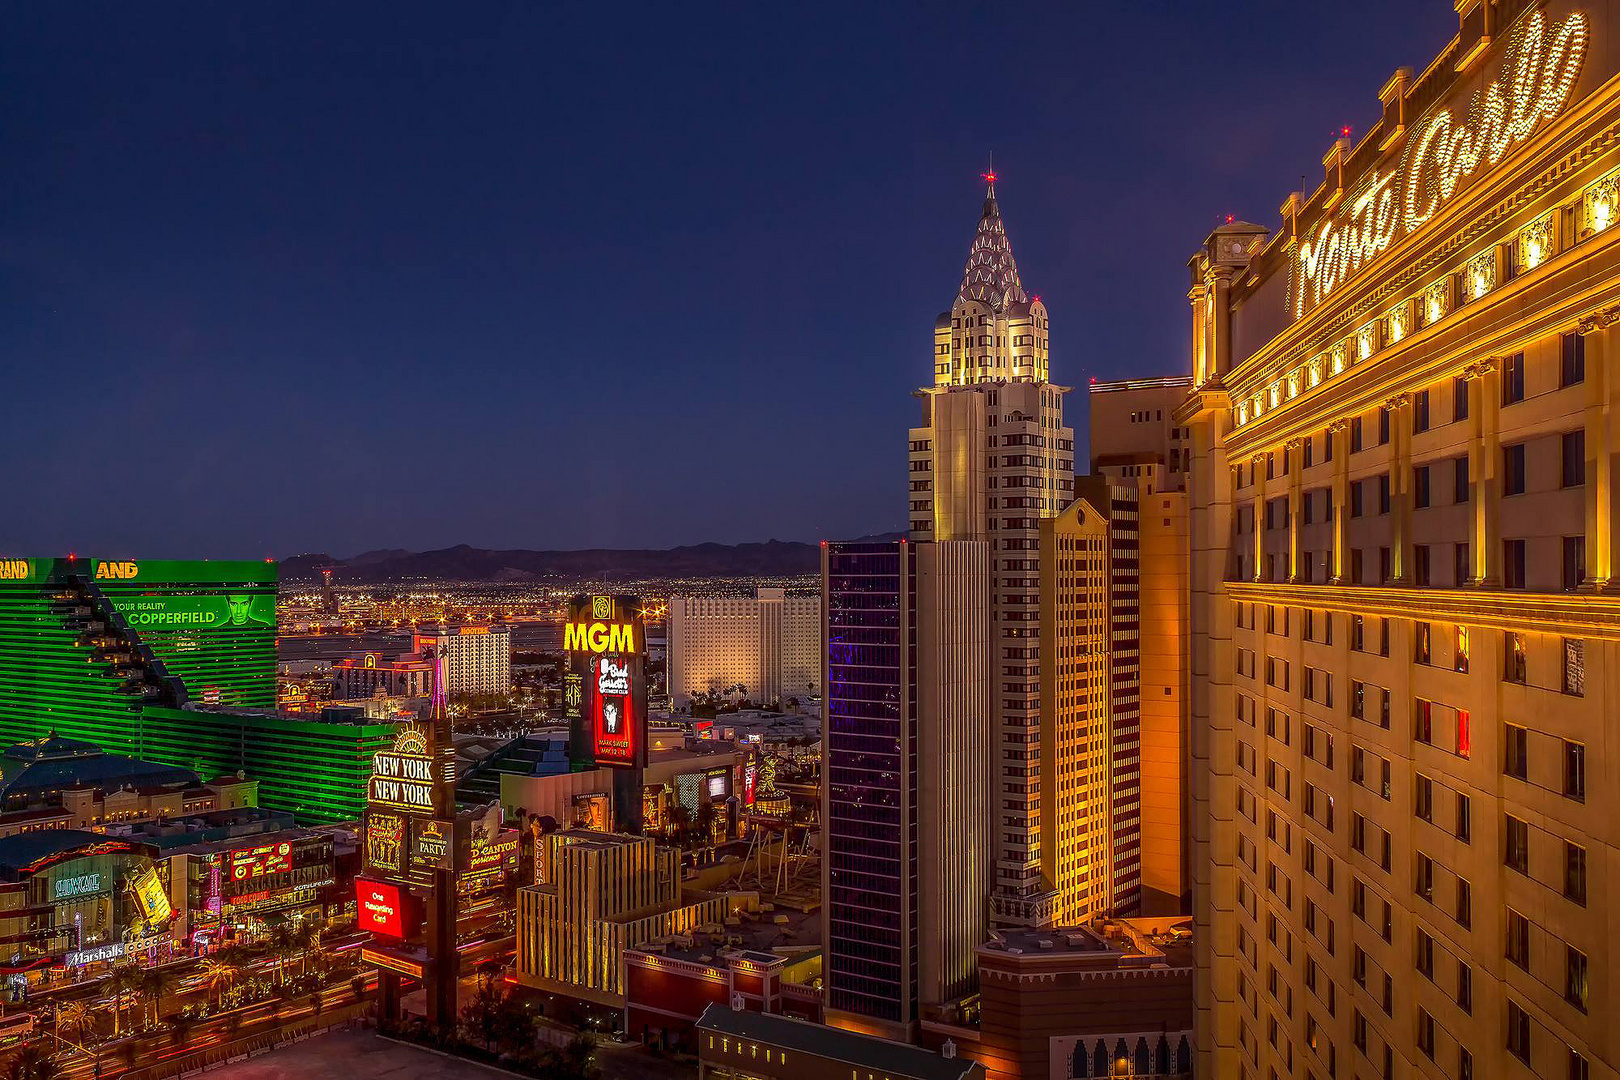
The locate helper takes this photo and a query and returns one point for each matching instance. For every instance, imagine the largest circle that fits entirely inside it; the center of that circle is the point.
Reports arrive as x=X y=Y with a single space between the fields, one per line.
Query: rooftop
x=894 y=1059
x=21 y=852
x=1125 y=943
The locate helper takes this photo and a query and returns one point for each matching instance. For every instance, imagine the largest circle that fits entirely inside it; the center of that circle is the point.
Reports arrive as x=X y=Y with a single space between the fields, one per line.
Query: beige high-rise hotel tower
x=1405 y=593
x=989 y=460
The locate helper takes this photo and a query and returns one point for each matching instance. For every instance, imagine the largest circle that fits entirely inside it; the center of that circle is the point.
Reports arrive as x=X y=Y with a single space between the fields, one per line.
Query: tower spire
x=991 y=275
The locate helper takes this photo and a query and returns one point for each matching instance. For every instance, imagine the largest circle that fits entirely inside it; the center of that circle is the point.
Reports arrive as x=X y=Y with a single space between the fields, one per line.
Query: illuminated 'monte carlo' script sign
x=1537 y=75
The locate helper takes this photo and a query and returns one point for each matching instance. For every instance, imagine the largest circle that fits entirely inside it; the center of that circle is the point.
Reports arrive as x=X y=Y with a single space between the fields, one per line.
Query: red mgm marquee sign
x=606 y=647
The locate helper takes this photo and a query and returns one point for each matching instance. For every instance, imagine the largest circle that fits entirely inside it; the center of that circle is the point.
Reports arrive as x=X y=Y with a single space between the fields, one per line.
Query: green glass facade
x=171 y=662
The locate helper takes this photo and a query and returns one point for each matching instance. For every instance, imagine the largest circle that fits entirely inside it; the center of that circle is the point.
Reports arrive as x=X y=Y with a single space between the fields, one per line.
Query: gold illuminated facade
x=1404 y=583
x=1076 y=717
x=989 y=460
x=597 y=894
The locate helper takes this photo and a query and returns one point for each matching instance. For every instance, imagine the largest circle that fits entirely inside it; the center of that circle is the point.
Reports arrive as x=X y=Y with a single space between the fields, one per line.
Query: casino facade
x=1405 y=588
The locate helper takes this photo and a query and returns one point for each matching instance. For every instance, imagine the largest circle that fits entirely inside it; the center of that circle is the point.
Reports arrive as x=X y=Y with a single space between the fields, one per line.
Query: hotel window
x=1423 y=721
x=1579 y=1067
x=1513 y=469
x=1465 y=818
x=1385 y=566
x=1358 y=626
x=1460 y=652
x=1465 y=987
x=1572 y=360
x=1518 y=1034
x=1575 y=666
x=1460 y=486
x=1574 y=562
x=1513 y=379
x=1575 y=771
x=1572 y=458
x=1327 y=446
x=1421 y=642
x=1464 y=741
x=1383 y=494
x=1575 y=983
x=1420 y=486
x=1575 y=873
x=1513 y=564
x=1516 y=846
x=1425 y=1034
x=1513 y=661
x=1355 y=434
x=1420 y=412
x=1515 y=751
x=1459 y=399
x=1465 y=904
x=1355 y=499
x=1420 y=564
x=1383 y=426
x=1424 y=887
x=1305 y=450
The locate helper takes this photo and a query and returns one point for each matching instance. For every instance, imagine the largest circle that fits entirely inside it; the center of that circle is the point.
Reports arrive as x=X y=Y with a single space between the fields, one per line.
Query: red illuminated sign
x=383 y=908
x=248 y=864
x=615 y=710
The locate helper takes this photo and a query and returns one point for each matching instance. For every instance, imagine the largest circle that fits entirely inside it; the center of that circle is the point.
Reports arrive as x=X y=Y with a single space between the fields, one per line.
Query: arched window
x=1184 y=1056
x=1142 y=1057
x=1099 y=1060
x=1078 y=1062
x=1161 y=1057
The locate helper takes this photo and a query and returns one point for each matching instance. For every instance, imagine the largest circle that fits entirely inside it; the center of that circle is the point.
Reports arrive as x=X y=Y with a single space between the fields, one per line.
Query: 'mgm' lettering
x=600 y=637
x=117 y=569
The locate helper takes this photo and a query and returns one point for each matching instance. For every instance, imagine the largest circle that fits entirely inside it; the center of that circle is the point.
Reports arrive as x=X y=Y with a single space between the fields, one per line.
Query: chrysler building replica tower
x=990 y=458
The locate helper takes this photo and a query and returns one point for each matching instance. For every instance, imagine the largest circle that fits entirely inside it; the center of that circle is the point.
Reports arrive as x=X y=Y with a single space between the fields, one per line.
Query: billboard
x=220 y=611
x=249 y=864
x=433 y=845
x=385 y=842
x=606 y=646
x=402 y=777
x=385 y=908
x=152 y=897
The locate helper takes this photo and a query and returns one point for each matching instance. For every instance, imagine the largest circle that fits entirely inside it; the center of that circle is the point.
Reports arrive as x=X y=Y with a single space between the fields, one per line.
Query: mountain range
x=773 y=558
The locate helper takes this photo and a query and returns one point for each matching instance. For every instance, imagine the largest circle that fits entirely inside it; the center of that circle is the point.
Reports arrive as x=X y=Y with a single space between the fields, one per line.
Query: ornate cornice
x=1601 y=319
x=1561 y=614
x=1478 y=369
x=1398 y=401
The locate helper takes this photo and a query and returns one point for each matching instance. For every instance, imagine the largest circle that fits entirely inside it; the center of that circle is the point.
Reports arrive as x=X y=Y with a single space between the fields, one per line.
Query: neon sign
x=1534 y=83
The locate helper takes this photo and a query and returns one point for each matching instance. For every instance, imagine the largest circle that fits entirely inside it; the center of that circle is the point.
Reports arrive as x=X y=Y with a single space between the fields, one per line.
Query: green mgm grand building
x=172 y=662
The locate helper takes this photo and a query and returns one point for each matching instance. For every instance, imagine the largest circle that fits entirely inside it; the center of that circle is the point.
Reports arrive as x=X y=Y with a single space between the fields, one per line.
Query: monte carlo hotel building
x=1405 y=586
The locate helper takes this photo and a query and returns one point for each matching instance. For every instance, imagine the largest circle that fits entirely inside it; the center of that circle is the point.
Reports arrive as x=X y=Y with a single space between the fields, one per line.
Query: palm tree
x=75 y=1015
x=33 y=1063
x=282 y=942
x=123 y=982
x=154 y=984
x=218 y=974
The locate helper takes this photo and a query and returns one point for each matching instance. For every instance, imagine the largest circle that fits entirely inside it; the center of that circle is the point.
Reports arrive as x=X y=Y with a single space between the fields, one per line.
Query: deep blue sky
x=327 y=277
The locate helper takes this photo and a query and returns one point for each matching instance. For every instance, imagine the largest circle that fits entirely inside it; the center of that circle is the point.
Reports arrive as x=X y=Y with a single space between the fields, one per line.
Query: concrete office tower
x=478 y=659
x=906 y=779
x=989 y=461
x=769 y=643
x=1404 y=618
x=1134 y=436
x=1136 y=441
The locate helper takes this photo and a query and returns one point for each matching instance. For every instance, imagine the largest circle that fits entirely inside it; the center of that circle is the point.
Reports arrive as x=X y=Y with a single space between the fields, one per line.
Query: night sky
x=332 y=277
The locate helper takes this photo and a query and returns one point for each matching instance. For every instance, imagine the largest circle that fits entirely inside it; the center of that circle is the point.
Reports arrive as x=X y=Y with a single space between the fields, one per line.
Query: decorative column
x=1295 y=464
x=1400 y=487
x=1258 y=464
x=1339 y=432
x=1602 y=416
x=1484 y=380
